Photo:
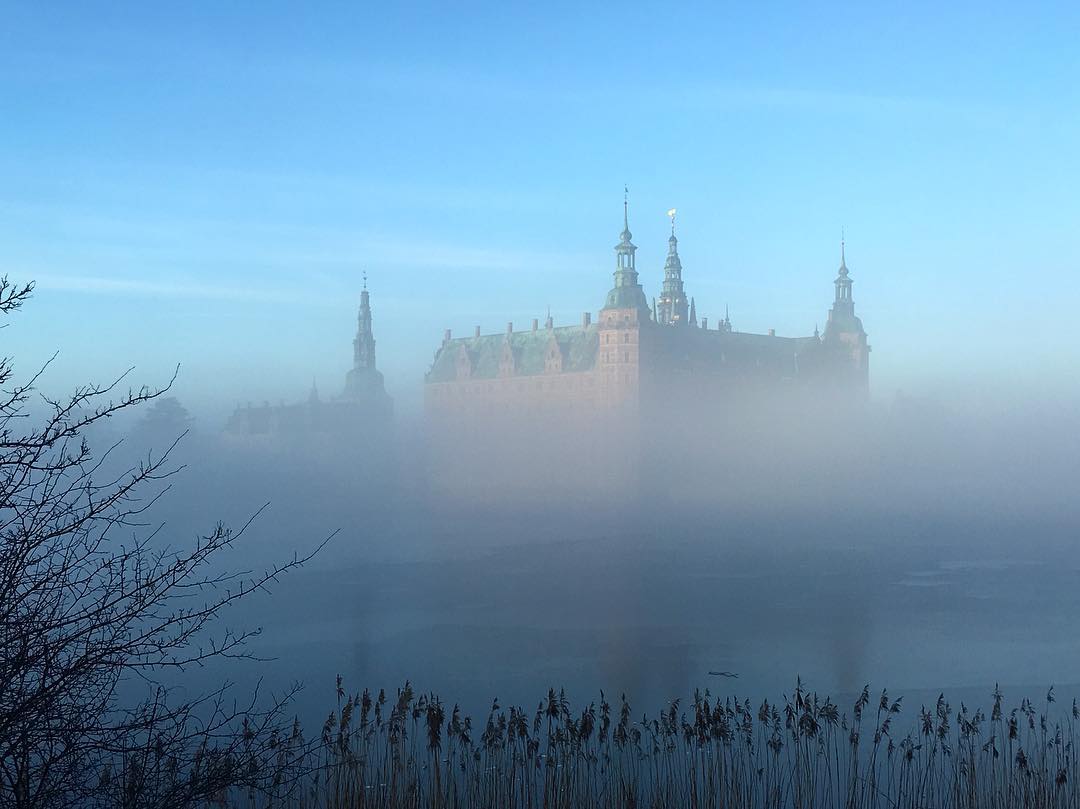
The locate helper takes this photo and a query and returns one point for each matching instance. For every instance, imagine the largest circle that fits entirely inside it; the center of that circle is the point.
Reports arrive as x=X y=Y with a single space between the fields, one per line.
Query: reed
x=716 y=751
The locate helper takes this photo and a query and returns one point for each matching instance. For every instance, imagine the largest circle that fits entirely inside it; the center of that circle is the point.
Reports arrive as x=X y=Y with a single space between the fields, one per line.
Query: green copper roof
x=578 y=346
x=628 y=296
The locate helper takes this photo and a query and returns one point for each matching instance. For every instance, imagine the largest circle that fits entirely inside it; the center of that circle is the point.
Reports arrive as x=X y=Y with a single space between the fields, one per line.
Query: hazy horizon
x=210 y=193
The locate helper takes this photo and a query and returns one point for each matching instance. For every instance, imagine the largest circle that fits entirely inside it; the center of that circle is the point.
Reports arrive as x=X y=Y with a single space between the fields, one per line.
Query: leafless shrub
x=91 y=600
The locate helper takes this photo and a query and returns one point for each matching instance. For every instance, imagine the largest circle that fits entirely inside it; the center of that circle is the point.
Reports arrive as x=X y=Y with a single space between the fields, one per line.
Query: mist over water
x=903 y=543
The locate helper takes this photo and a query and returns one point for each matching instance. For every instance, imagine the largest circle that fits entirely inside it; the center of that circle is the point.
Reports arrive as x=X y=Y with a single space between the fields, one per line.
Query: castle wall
x=536 y=393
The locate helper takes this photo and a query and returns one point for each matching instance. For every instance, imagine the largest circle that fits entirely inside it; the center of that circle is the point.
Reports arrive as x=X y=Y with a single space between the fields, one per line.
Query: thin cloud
x=99 y=285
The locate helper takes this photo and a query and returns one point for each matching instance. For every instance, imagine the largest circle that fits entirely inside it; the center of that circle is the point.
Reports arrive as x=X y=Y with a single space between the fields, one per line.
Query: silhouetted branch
x=86 y=600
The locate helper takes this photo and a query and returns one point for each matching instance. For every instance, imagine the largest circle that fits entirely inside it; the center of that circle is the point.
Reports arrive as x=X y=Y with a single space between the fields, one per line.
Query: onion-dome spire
x=843 y=281
x=626 y=293
x=842 y=317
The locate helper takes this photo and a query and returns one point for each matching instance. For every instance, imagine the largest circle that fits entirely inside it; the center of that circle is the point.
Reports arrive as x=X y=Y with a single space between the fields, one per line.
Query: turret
x=621 y=326
x=671 y=308
x=364 y=342
x=842 y=319
x=364 y=381
x=844 y=335
x=626 y=293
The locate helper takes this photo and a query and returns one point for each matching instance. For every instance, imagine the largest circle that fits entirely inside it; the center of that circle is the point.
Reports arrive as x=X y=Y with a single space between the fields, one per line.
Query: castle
x=636 y=358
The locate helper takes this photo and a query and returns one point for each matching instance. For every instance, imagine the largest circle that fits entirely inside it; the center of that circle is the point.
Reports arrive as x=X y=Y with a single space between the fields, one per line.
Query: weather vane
x=671 y=213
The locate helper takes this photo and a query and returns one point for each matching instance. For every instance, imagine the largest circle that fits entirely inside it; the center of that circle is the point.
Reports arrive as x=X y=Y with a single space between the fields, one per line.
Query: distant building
x=363 y=408
x=640 y=358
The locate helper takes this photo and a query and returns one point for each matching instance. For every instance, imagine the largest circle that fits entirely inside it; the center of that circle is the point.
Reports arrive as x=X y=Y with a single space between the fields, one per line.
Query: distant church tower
x=844 y=331
x=671 y=308
x=364 y=382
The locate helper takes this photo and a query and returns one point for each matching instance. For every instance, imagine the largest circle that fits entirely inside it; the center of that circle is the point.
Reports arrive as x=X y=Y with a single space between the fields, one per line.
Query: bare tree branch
x=92 y=596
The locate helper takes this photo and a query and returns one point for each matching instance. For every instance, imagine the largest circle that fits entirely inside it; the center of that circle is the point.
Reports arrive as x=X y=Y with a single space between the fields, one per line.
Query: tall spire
x=844 y=334
x=672 y=306
x=693 y=313
x=626 y=293
x=842 y=317
x=364 y=342
x=363 y=382
x=843 y=281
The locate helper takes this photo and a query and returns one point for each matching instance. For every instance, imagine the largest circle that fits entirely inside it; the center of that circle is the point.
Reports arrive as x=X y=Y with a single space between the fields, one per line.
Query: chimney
x=704 y=324
x=446 y=337
x=477 y=332
x=536 y=324
x=509 y=328
x=772 y=332
x=586 y=319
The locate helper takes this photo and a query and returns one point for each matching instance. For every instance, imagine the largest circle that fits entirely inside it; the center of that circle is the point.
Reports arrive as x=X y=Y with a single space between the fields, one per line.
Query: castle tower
x=671 y=307
x=364 y=342
x=844 y=332
x=364 y=381
x=626 y=293
x=625 y=314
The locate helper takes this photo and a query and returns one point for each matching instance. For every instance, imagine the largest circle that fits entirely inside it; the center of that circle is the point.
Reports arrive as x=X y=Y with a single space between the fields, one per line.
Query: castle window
x=626 y=356
x=626 y=337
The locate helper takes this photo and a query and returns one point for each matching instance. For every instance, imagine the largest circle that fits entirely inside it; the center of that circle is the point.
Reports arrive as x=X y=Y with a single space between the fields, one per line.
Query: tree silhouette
x=164 y=420
x=92 y=598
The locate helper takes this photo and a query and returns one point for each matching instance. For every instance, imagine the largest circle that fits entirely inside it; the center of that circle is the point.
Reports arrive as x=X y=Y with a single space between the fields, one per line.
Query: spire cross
x=671 y=213
x=626 y=207
x=365 y=279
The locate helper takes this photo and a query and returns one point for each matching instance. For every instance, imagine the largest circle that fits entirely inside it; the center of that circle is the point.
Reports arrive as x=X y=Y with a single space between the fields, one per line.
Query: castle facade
x=640 y=358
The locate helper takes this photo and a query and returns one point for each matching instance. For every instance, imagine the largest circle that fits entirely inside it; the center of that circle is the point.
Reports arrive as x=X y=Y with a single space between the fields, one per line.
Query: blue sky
x=205 y=183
